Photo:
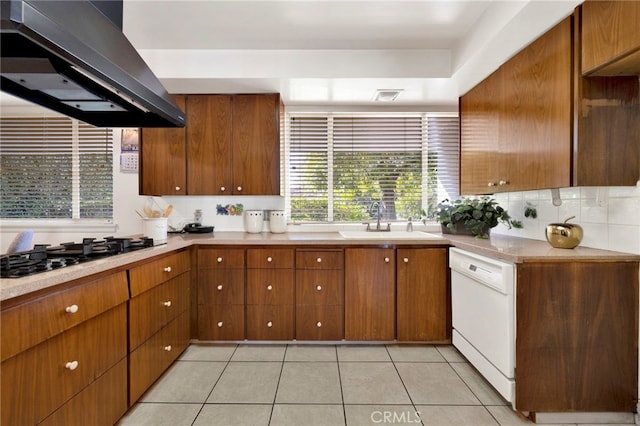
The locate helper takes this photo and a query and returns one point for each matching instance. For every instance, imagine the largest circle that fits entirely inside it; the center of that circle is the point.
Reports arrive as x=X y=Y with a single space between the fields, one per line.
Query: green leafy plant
x=476 y=215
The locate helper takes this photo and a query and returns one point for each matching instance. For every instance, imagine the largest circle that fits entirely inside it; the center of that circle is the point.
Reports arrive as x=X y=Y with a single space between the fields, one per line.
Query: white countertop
x=511 y=249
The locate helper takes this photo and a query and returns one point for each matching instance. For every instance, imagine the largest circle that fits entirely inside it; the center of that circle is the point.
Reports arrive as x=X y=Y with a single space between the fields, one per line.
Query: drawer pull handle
x=222 y=189
x=177 y=188
x=319 y=260
x=167 y=269
x=269 y=287
x=319 y=287
x=167 y=303
x=239 y=188
x=219 y=324
x=386 y=260
x=167 y=348
x=219 y=260
x=71 y=309
x=219 y=287
x=318 y=324
x=269 y=259
x=269 y=324
x=406 y=260
x=72 y=365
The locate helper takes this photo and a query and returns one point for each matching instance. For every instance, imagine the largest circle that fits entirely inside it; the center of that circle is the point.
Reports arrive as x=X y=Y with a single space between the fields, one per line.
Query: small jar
x=278 y=221
x=253 y=221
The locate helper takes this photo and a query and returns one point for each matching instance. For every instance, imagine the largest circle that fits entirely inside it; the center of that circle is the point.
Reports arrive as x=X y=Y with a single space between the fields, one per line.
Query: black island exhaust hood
x=69 y=57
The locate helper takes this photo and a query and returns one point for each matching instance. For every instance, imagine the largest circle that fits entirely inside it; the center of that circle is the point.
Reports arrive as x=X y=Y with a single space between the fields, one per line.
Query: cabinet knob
x=167 y=303
x=223 y=188
x=71 y=309
x=71 y=365
x=319 y=287
x=269 y=324
x=219 y=260
x=406 y=260
x=269 y=259
x=503 y=182
x=318 y=324
x=319 y=260
x=239 y=189
x=386 y=260
x=219 y=287
x=269 y=287
x=178 y=188
x=219 y=324
x=167 y=269
x=167 y=348
x=491 y=184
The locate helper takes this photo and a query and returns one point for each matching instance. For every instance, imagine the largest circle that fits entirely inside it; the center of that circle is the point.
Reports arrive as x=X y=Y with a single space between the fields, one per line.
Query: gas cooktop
x=45 y=258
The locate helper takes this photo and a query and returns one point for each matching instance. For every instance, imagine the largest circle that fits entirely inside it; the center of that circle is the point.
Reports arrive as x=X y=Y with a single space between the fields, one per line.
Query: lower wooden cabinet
x=424 y=297
x=270 y=322
x=154 y=356
x=319 y=294
x=99 y=404
x=41 y=379
x=370 y=294
x=577 y=336
x=221 y=293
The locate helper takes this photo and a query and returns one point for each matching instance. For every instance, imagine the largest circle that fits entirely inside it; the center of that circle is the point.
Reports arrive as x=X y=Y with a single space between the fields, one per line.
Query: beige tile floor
x=325 y=385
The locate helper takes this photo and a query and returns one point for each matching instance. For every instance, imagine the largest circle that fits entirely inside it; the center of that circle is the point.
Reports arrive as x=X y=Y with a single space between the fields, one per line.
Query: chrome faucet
x=379 y=206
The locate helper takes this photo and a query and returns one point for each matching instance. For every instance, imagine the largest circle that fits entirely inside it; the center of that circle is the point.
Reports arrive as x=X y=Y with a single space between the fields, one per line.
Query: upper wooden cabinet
x=537 y=123
x=230 y=146
x=610 y=38
x=163 y=153
x=516 y=125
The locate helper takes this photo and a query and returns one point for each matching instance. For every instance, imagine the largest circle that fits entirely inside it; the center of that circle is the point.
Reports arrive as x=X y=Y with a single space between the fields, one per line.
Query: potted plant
x=472 y=216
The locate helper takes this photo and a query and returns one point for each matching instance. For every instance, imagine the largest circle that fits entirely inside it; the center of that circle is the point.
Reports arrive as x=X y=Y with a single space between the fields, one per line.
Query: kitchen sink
x=391 y=235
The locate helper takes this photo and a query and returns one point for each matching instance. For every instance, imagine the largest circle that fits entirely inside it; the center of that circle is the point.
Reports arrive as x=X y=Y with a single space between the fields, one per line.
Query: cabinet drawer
x=42 y=378
x=53 y=313
x=153 y=309
x=151 y=274
x=152 y=358
x=317 y=322
x=270 y=287
x=270 y=258
x=319 y=287
x=110 y=390
x=319 y=259
x=221 y=286
x=221 y=322
x=270 y=322
x=220 y=258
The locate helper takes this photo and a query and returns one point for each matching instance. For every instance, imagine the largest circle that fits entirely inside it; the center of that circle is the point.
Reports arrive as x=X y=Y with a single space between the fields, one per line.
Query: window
x=340 y=167
x=55 y=168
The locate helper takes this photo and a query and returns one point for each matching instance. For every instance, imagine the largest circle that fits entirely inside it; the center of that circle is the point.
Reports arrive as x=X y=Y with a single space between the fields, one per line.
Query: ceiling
x=334 y=52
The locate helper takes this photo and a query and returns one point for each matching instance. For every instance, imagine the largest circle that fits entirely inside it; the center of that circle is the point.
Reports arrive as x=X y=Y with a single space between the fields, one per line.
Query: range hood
x=69 y=57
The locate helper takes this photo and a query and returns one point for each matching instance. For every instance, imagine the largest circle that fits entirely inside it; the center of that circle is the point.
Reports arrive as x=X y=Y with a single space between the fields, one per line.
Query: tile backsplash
x=610 y=216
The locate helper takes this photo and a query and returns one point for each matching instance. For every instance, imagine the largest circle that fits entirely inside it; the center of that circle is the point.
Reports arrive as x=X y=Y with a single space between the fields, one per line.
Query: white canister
x=278 y=221
x=253 y=221
x=155 y=228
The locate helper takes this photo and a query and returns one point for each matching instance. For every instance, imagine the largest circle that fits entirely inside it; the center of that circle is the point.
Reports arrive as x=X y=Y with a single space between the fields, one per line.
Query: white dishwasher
x=483 y=316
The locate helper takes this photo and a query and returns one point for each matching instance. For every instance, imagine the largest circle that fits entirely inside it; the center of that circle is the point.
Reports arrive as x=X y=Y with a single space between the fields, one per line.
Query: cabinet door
x=256 y=144
x=610 y=38
x=536 y=118
x=163 y=159
x=209 y=144
x=369 y=294
x=423 y=295
x=479 y=132
x=270 y=322
x=577 y=336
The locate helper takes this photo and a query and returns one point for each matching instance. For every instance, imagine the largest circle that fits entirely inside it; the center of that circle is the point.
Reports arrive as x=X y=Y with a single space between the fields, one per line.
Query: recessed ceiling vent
x=386 y=95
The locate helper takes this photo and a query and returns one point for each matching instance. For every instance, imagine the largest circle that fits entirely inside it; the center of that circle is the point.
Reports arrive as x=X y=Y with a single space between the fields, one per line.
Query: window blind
x=55 y=167
x=340 y=166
